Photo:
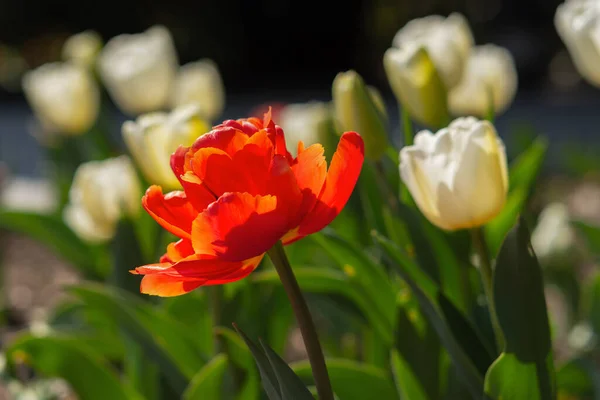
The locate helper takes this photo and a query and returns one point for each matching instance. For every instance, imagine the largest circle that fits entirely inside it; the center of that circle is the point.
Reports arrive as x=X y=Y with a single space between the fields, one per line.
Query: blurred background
x=283 y=50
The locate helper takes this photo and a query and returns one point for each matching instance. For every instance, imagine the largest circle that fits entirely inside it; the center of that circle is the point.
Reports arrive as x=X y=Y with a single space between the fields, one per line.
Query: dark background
x=283 y=50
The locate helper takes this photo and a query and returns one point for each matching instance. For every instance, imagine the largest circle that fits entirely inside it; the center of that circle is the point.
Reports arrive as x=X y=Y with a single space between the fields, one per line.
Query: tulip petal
x=239 y=226
x=339 y=184
x=172 y=211
x=310 y=170
x=174 y=279
x=177 y=251
x=228 y=139
x=217 y=171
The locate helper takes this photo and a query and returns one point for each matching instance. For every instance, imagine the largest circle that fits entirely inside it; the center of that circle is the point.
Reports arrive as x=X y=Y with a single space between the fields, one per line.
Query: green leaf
x=191 y=311
x=329 y=281
x=525 y=367
x=126 y=254
x=408 y=384
x=426 y=292
x=578 y=378
x=367 y=274
x=511 y=378
x=371 y=197
x=164 y=340
x=267 y=374
x=591 y=234
x=52 y=232
x=241 y=356
x=207 y=383
x=497 y=229
x=351 y=379
x=525 y=168
x=290 y=386
x=89 y=375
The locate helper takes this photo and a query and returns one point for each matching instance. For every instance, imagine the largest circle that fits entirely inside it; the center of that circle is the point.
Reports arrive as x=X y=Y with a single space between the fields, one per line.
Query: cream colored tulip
x=306 y=123
x=448 y=42
x=64 y=97
x=102 y=193
x=490 y=75
x=553 y=235
x=457 y=176
x=153 y=137
x=139 y=70
x=417 y=85
x=200 y=83
x=83 y=49
x=578 y=25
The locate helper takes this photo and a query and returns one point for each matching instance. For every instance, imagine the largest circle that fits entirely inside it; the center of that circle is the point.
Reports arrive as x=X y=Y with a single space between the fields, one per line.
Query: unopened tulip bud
x=63 y=96
x=448 y=42
x=356 y=110
x=82 y=49
x=417 y=85
x=577 y=23
x=457 y=176
x=308 y=123
x=200 y=83
x=102 y=193
x=139 y=70
x=490 y=76
x=153 y=137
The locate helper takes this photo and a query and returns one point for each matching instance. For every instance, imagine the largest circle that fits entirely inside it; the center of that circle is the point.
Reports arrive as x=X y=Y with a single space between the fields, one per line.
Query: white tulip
x=200 y=83
x=139 y=70
x=305 y=122
x=82 y=48
x=553 y=234
x=578 y=25
x=490 y=74
x=101 y=194
x=153 y=137
x=447 y=40
x=416 y=84
x=457 y=176
x=64 y=97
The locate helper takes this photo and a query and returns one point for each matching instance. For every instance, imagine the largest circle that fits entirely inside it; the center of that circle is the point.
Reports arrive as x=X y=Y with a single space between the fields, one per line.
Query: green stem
x=485 y=269
x=491 y=112
x=305 y=321
x=407 y=127
x=215 y=294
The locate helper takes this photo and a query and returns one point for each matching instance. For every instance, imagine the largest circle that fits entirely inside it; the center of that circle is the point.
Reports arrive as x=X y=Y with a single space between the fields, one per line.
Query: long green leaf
x=90 y=376
x=290 y=385
x=524 y=169
x=329 y=281
x=408 y=384
x=241 y=356
x=426 y=292
x=208 y=381
x=352 y=380
x=522 y=314
x=165 y=341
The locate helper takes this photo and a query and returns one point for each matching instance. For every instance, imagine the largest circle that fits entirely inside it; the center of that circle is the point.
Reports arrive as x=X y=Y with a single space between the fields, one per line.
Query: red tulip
x=242 y=193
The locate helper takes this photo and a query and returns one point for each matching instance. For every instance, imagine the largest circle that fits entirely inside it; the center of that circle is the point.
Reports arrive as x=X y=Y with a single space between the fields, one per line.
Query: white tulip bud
x=82 y=49
x=417 y=84
x=63 y=96
x=200 y=83
x=553 y=235
x=578 y=25
x=101 y=194
x=490 y=75
x=139 y=70
x=153 y=137
x=448 y=42
x=457 y=176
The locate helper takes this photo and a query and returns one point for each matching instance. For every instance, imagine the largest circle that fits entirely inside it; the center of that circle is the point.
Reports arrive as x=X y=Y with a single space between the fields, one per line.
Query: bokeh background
x=284 y=51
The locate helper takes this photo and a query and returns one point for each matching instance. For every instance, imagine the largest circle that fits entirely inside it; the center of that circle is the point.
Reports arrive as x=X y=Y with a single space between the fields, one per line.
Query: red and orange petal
x=239 y=226
x=167 y=279
x=172 y=211
x=339 y=184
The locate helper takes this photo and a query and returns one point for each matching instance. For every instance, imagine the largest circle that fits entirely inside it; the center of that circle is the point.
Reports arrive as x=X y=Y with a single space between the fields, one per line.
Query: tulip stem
x=485 y=269
x=407 y=127
x=305 y=321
